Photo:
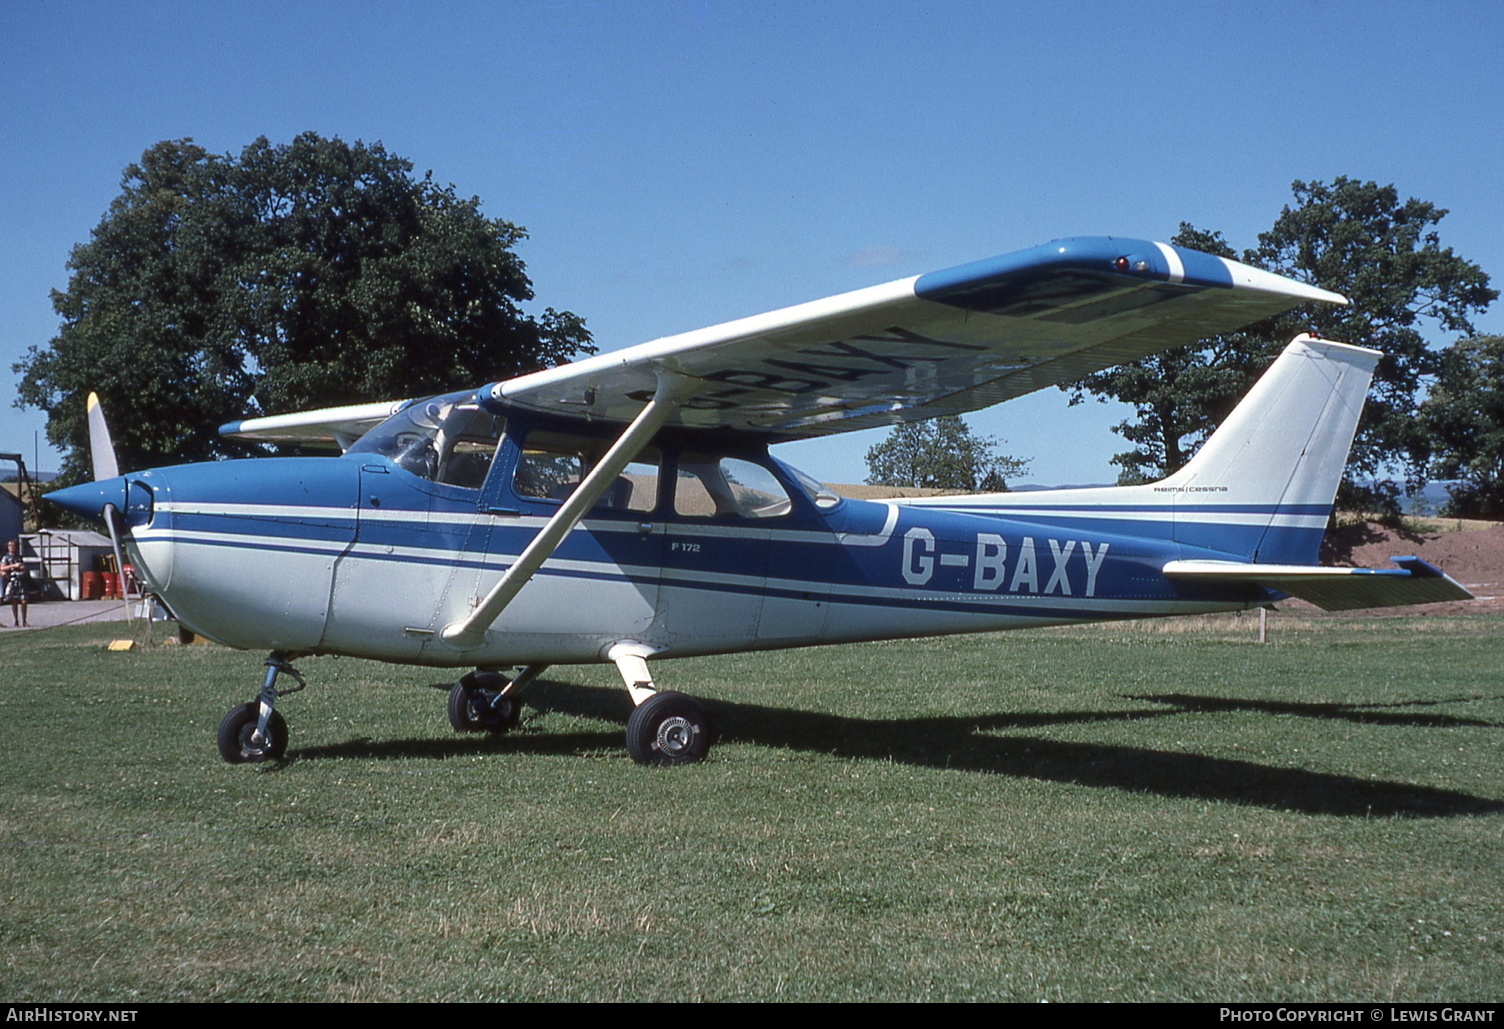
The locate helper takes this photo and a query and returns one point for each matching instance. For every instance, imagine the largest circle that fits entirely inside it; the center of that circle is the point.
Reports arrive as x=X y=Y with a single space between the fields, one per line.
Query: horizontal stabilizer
x=1333 y=589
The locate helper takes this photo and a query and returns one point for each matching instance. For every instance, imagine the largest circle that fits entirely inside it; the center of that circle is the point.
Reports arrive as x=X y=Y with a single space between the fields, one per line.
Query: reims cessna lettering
x=625 y=508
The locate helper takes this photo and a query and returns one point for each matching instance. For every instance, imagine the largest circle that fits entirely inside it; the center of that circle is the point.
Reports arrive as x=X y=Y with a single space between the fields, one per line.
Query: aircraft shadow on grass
x=970 y=743
x=1363 y=714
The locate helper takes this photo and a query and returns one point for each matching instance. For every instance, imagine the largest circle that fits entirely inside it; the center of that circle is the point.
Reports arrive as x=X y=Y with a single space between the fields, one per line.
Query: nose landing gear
x=256 y=731
x=242 y=739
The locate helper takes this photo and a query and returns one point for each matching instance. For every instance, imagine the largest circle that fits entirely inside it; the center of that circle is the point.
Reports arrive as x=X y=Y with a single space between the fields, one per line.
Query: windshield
x=444 y=439
x=821 y=495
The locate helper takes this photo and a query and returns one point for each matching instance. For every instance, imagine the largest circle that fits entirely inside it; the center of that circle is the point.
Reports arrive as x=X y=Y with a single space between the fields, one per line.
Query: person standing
x=16 y=580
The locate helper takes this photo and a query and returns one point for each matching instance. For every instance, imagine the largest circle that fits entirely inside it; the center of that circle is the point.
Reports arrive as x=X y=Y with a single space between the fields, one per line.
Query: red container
x=91 y=585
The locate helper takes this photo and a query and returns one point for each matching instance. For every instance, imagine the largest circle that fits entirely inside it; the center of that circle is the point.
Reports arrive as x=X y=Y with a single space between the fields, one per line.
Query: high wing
x=326 y=427
x=943 y=343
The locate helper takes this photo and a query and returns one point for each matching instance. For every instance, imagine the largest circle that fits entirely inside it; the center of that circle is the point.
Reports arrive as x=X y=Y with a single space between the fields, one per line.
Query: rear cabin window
x=727 y=488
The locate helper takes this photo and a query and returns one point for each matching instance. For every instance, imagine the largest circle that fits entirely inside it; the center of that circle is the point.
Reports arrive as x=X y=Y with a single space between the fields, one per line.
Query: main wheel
x=668 y=729
x=239 y=726
x=473 y=704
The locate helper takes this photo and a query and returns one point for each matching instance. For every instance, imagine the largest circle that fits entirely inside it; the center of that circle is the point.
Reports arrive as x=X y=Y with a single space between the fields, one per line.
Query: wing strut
x=471 y=632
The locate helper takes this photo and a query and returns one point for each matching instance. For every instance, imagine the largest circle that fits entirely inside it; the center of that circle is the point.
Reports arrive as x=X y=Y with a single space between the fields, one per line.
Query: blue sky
x=680 y=164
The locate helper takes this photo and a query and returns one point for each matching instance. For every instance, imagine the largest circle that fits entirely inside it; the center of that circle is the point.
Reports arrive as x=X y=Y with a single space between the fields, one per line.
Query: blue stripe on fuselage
x=1236 y=531
x=932 y=558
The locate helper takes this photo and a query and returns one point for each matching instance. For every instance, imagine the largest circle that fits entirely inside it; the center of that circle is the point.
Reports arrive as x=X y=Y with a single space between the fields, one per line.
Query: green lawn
x=1158 y=811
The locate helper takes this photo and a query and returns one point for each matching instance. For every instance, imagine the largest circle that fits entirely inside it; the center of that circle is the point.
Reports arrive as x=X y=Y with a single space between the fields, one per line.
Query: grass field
x=1158 y=811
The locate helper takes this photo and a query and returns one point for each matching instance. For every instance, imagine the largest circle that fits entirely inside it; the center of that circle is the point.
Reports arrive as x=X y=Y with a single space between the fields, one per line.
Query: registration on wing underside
x=944 y=343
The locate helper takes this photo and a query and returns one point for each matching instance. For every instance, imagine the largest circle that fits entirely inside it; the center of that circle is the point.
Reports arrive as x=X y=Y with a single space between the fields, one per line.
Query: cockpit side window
x=466 y=445
x=446 y=439
x=553 y=464
x=822 y=496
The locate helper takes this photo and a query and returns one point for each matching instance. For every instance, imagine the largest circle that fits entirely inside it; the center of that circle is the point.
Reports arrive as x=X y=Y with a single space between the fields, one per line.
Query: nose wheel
x=240 y=742
x=257 y=731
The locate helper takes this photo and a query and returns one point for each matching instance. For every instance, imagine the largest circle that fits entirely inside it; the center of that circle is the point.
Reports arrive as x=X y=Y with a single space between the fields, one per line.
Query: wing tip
x=1121 y=260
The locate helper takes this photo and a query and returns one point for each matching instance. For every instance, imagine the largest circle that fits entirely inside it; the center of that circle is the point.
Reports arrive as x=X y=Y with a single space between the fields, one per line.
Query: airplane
x=625 y=508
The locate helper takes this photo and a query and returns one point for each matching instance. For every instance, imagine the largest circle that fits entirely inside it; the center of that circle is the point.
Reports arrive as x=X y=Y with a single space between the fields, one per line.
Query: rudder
x=1278 y=457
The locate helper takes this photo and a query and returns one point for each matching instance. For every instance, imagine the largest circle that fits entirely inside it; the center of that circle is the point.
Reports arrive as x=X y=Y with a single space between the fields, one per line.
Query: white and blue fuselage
x=358 y=555
x=626 y=507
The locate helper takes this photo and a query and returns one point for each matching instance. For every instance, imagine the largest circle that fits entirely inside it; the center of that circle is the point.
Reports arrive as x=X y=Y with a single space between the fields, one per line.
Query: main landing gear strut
x=665 y=728
x=256 y=731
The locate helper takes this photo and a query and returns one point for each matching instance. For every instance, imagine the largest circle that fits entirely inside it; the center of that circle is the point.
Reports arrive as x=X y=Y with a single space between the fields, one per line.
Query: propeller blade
x=114 y=523
x=100 y=447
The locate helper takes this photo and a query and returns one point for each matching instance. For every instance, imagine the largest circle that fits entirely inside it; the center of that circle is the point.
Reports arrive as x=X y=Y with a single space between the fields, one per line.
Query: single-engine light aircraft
x=624 y=508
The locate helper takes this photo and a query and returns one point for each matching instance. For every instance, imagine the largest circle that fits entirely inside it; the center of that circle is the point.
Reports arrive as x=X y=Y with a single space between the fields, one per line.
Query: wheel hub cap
x=676 y=735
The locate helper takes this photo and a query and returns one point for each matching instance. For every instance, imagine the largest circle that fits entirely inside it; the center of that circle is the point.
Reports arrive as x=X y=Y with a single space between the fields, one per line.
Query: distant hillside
x=1428 y=501
x=861 y=491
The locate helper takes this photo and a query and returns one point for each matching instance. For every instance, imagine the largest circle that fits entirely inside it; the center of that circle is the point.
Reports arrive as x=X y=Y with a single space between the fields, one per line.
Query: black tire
x=473 y=706
x=235 y=732
x=669 y=729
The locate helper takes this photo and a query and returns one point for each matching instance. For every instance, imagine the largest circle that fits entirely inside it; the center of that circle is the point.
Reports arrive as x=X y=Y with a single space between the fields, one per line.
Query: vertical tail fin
x=1260 y=490
x=1274 y=465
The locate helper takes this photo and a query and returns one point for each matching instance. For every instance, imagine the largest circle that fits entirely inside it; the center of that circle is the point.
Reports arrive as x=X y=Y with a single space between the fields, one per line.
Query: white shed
x=59 y=557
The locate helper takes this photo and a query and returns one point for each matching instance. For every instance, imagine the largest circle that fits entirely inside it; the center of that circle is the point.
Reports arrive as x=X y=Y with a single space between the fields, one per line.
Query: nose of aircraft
x=134 y=496
x=89 y=498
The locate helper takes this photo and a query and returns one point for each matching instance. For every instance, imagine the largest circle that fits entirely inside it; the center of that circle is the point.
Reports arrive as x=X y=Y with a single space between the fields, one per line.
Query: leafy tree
x=292 y=276
x=1358 y=239
x=1181 y=395
x=1462 y=426
x=1352 y=237
x=941 y=453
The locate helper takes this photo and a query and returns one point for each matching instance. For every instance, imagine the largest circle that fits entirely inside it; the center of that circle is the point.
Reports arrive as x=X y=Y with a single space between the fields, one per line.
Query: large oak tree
x=1462 y=427
x=290 y=276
